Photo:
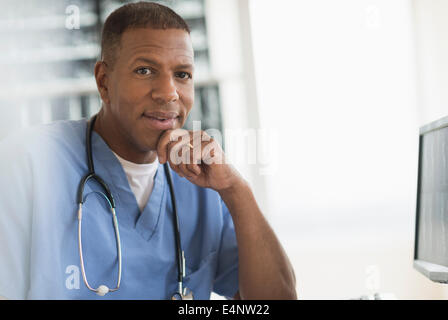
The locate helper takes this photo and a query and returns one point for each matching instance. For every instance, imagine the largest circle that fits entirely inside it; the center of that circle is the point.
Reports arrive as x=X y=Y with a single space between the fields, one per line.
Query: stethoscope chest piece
x=187 y=294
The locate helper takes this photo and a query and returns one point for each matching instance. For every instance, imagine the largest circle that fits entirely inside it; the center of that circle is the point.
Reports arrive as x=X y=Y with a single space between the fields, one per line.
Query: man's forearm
x=264 y=269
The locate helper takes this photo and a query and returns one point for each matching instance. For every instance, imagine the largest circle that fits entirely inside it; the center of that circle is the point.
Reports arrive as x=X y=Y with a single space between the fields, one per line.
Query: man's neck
x=118 y=143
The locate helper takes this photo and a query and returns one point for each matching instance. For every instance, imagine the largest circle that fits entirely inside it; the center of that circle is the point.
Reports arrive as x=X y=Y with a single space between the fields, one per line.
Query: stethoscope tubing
x=118 y=241
x=108 y=196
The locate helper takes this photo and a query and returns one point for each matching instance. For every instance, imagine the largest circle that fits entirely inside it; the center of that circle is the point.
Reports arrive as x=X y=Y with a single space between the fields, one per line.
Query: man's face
x=151 y=80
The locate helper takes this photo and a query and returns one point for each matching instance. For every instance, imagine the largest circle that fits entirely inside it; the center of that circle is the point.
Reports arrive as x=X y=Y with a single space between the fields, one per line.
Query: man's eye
x=143 y=71
x=184 y=75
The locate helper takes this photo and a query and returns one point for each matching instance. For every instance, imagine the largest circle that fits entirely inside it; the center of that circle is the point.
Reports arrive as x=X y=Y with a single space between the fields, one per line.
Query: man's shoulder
x=66 y=131
x=39 y=137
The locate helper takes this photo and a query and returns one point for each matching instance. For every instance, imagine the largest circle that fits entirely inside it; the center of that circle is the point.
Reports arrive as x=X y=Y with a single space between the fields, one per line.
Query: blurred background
x=319 y=103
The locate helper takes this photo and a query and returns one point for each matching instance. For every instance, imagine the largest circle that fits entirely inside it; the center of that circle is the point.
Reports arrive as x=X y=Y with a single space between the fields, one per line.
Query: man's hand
x=198 y=157
x=264 y=269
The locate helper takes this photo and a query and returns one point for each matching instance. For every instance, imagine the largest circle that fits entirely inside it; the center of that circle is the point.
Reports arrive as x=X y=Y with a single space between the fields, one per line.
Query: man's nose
x=164 y=90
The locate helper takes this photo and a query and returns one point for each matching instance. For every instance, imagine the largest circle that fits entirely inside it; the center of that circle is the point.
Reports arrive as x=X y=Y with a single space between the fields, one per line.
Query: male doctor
x=145 y=80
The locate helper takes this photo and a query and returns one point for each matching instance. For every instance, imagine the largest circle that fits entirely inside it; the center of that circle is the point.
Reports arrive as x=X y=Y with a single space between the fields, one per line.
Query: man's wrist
x=235 y=188
x=237 y=196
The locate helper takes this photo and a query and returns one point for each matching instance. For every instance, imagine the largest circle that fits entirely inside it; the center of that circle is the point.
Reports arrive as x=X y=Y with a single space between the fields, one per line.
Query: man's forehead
x=148 y=50
x=173 y=41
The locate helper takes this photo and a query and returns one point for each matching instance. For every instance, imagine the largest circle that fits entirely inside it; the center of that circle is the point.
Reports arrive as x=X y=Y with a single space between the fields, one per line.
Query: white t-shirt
x=140 y=178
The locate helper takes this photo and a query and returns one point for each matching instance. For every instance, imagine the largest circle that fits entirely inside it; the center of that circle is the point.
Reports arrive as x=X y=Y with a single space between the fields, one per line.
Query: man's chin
x=145 y=145
x=146 y=139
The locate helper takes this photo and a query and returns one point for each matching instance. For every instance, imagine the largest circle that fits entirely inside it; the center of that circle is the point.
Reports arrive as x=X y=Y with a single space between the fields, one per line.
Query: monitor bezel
x=435 y=272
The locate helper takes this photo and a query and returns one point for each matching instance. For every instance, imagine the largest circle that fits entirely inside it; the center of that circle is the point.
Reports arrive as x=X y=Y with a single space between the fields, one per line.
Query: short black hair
x=136 y=15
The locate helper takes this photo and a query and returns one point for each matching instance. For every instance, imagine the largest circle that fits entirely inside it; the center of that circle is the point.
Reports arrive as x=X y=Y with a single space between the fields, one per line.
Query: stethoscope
x=182 y=293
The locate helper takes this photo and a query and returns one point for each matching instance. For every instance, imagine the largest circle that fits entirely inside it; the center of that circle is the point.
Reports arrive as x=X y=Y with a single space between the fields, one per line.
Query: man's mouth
x=161 y=120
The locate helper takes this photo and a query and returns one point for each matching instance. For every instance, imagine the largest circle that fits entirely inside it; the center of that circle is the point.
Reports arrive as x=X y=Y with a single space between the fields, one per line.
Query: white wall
x=431 y=26
x=337 y=80
x=230 y=50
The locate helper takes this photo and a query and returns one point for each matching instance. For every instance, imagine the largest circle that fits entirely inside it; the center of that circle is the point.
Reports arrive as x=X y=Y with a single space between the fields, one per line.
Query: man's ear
x=101 y=81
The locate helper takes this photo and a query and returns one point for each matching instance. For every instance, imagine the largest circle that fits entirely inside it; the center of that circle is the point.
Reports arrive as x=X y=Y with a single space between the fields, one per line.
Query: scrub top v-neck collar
x=128 y=212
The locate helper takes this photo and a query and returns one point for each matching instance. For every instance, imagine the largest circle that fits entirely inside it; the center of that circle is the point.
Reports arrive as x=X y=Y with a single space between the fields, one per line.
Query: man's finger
x=175 y=168
x=178 y=151
x=186 y=171
x=212 y=153
x=164 y=142
x=194 y=168
x=161 y=146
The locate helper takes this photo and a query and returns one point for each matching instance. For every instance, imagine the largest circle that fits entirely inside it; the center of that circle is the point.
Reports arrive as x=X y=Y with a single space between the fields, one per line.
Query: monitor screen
x=431 y=236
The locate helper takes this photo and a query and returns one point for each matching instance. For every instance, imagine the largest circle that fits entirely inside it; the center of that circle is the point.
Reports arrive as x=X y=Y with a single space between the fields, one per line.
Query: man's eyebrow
x=155 y=63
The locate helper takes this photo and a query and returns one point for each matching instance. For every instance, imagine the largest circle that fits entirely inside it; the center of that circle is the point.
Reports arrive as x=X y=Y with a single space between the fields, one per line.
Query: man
x=145 y=80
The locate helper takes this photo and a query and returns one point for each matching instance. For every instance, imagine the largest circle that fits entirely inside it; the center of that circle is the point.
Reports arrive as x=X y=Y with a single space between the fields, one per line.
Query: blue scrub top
x=40 y=170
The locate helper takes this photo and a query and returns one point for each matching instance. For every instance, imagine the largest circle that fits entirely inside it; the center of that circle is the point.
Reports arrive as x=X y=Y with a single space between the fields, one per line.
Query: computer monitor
x=431 y=231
